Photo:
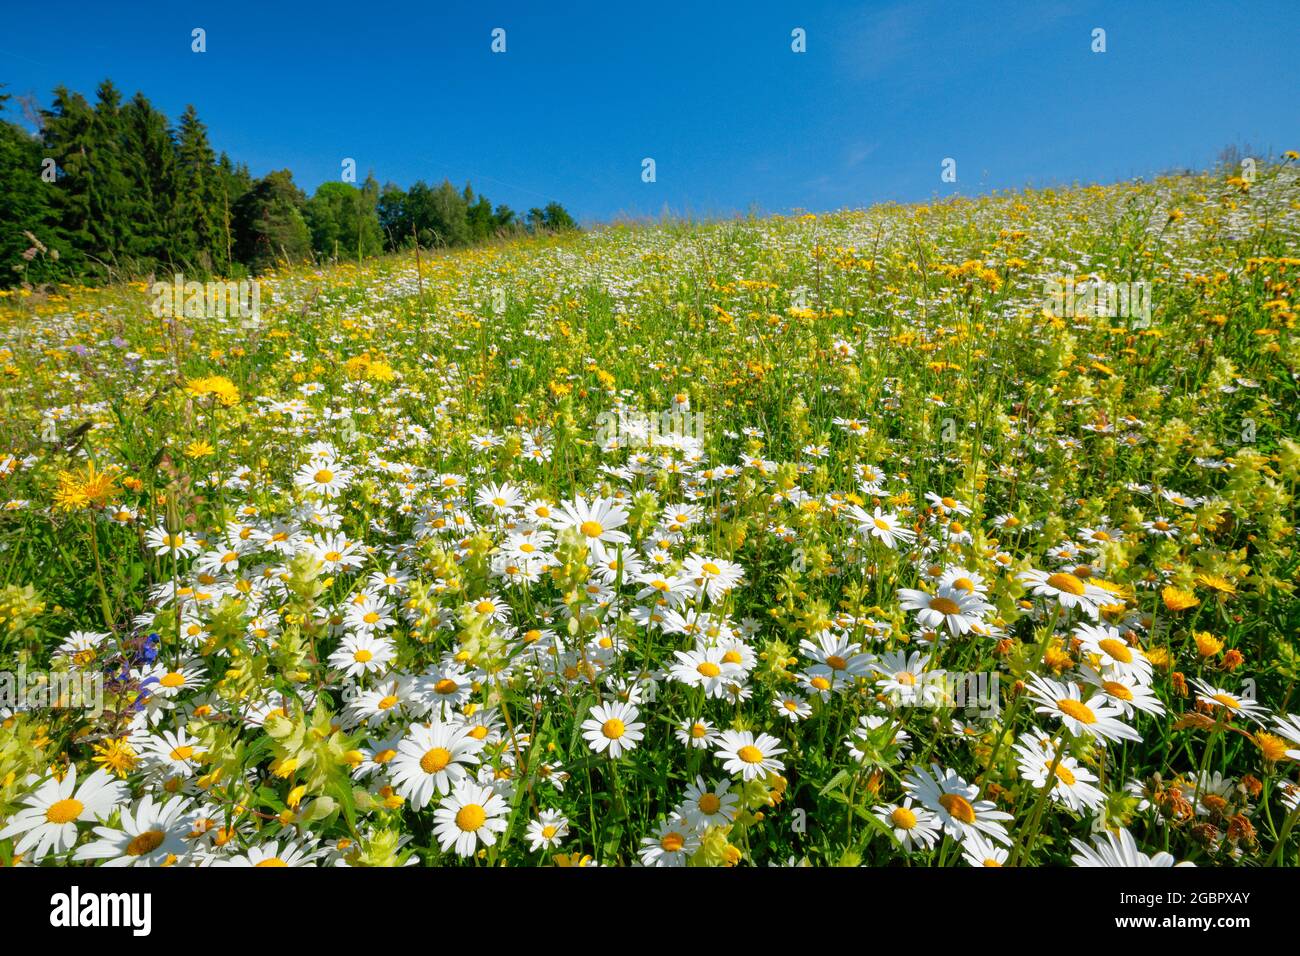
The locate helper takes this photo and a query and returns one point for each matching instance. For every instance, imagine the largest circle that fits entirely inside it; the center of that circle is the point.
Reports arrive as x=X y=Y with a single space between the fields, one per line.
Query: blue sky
x=733 y=118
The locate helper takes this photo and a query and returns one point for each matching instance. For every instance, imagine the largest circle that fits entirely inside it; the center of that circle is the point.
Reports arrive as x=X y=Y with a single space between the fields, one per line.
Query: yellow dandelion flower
x=1177 y=599
x=116 y=756
x=1207 y=645
x=1216 y=582
x=85 y=488
x=1272 y=747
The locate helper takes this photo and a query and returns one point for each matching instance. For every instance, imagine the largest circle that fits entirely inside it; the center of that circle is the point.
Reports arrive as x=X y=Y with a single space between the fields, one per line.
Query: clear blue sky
x=711 y=90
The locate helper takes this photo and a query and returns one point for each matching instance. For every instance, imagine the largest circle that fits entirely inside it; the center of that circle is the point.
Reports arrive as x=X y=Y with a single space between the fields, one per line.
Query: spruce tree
x=68 y=134
x=113 y=206
x=197 y=224
x=269 y=225
x=149 y=158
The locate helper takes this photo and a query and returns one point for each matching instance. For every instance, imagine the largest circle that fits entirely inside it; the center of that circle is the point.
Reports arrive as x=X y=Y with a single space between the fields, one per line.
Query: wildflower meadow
x=930 y=535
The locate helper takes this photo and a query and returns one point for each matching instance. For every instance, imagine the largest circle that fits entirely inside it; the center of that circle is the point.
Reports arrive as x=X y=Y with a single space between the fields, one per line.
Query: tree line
x=113 y=190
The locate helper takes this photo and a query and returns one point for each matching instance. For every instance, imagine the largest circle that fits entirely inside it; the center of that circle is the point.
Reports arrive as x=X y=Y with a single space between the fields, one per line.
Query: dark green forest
x=115 y=191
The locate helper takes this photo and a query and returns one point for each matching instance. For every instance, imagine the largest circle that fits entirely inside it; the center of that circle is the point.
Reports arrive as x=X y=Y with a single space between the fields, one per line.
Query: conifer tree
x=26 y=209
x=197 y=230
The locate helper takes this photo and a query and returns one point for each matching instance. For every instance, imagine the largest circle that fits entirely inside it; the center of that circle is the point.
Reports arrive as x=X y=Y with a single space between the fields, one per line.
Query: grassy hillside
x=387 y=572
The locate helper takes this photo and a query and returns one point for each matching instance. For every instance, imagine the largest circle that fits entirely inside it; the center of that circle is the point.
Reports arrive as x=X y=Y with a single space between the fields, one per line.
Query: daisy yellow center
x=527 y=548
x=750 y=754
x=708 y=567
x=1078 y=710
x=1116 y=649
x=881 y=524
x=591 y=529
x=732 y=657
x=64 y=811
x=836 y=662
x=1227 y=700
x=485 y=607
x=709 y=803
x=470 y=817
x=613 y=728
x=1063 y=772
x=672 y=842
x=172 y=680
x=446 y=686
x=182 y=753
x=820 y=683
x=332 y=555
x=958 y=807
x=1117 y=690
x=362 y=656
x=324 y=476
x=907 y=678
x=385 y=755
x=964 y=584
x=709 y=669
x=945 y=605
x=435 y=760
x=499 y=502
x=146 y=842
x=903 y=818
x=371 y=617
x=549 y=830
x=698 y=731
x=1063 y=581
x=272 y=861
x=388 y=702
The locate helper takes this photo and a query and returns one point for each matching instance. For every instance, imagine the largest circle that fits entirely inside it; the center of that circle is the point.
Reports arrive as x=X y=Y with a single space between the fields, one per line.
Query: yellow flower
x=1272 y=747
x=218 y=386
x=1178 y=600
x=1160 y=657
x=1056 y=658
x=1207 y=645
x=380 y=372
x=198 y=449
x=1216 y=582
x=115 y=755
x=81 y=489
